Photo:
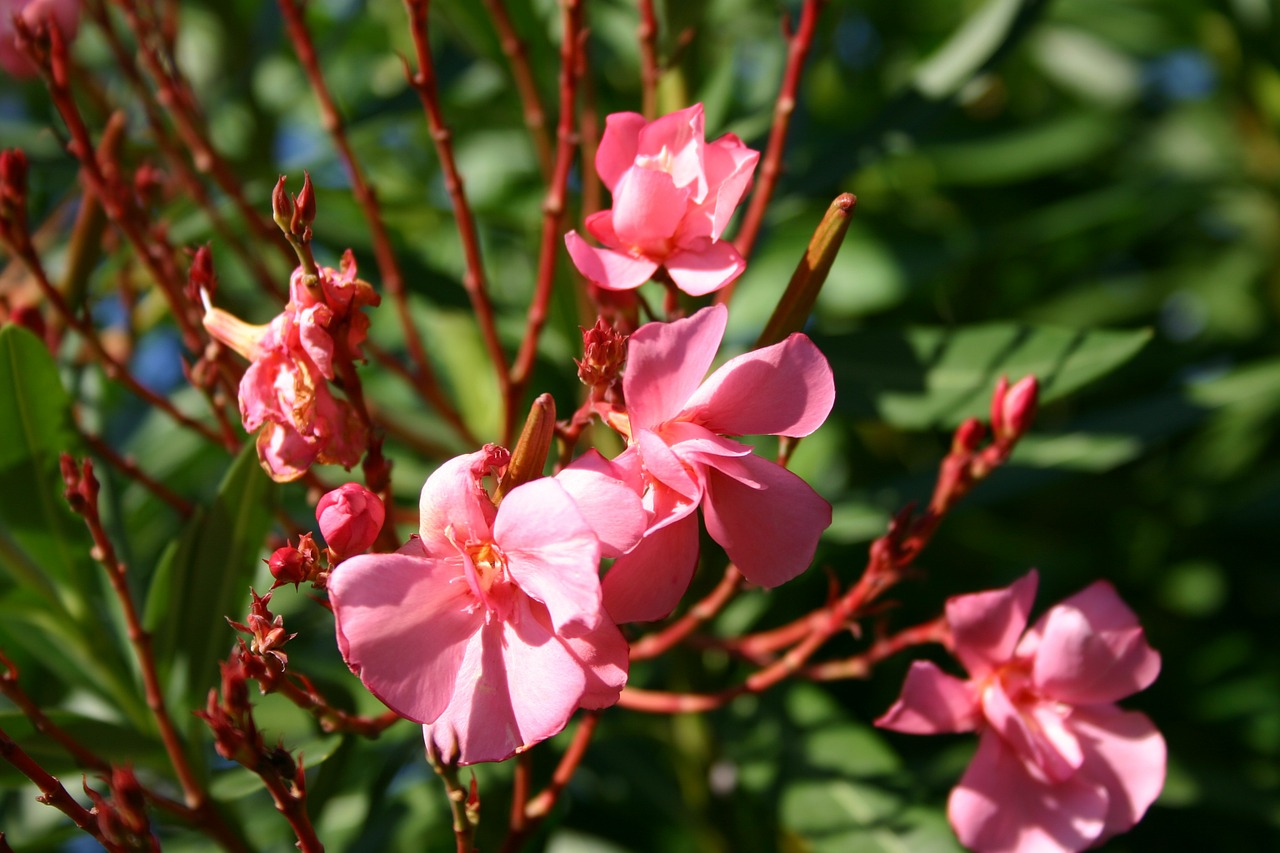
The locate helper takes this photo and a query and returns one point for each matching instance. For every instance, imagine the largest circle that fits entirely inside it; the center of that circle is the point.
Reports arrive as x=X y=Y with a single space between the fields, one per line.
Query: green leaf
x=45 y=546
x=205 y=577
x=977 y=43
x=113 y=742
x=935 y=378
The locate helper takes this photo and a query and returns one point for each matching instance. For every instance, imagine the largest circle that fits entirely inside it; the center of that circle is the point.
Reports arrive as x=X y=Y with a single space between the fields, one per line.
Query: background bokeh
x=1089 y=189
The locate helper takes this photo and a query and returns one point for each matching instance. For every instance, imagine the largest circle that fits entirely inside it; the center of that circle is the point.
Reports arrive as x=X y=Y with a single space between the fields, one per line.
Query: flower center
x=490 y=564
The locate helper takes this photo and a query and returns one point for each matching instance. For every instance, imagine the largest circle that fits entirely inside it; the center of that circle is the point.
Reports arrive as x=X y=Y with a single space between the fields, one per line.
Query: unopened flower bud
x=304 y=212
x=202 y=282
x=967 y=436
x=604 y=350
x=281 y=206
x=350 y=517
x=1012 y=409
x=288 y=565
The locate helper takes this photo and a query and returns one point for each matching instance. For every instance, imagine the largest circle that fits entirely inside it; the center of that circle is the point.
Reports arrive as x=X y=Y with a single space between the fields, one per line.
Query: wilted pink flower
x=284 y=392
x=767 y=518
x=350 y=517
x=488 y=626
x=673 y=195
x=1059 y=767
x=63 y=14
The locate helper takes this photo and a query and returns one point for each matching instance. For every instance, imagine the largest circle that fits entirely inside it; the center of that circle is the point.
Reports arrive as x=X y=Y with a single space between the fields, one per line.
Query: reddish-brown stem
x=52 y=792
x=535 y=117
x=104 y=552
x=541 y=805
x=553 y=207
x=652 y=645
x=131 y=470
x=299 y=690
x=294 y=808
x=112 y=367
x=174 y=155
x=798 y=45
x=518 y=824
x=474 y=280
x=384 y=255
x=860 y=665
x=647 y=33
x=175 y=97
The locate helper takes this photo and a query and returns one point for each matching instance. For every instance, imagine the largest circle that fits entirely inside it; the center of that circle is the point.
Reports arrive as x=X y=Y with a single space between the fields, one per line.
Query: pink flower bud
x=305 y=211
x=1012 y=409
x=350 y=518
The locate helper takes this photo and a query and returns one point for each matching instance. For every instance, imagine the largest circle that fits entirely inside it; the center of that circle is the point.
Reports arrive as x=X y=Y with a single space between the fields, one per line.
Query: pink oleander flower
x=488 y=626
x=285 y=392
x=63 y=14
x=350 y=517
x=767 y=518
x=673 y=196
x=1059 y=766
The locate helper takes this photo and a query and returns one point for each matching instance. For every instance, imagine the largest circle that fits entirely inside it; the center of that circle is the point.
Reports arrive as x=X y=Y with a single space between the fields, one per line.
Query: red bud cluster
x=294 y=214
x=297 y=565
x=604 y=350
x=123 y=820
x=267 y=632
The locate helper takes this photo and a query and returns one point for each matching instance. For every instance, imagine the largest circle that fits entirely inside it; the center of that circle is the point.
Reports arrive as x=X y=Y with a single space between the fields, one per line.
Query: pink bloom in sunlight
x=673 y=196
x=285 y=392
x=767 y=518
x=1059 y=767
x=63 y=14
x=488 y=626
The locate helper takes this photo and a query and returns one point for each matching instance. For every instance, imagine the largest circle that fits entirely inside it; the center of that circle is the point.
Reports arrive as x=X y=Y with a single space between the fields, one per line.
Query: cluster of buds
x=298 y=564
x=122 y=819
x=28 y=27
x=294 y=213
x=81 y=486
x=604 y=351
x=1012 y=410
x=262 y=657
x=13 y=199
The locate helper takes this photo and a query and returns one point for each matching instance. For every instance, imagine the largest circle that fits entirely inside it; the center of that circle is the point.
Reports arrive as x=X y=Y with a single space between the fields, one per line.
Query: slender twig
x=541 y=805
x=798 y=44
x=175 y=97
x=82 y=490
x=52 y=792
x=860 y=666
x=652 y=645
x=474 y=280
x=553 y=207
x=131 y=470
x=647 y=33
x=535 y=117
x=384 y=255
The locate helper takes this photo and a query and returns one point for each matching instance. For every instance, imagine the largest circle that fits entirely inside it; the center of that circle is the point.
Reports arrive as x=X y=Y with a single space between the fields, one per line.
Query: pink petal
x=784 y=389
x=664 y=466
x=552 y=554
x=1091 y=649
x=675 y=142
x=1034 y=732
x=403 y=625
x=284 y=452
x=604 y=657
x=618 y=146
x=770 y=532
x=986 y=625
x=701 y=266
x=600 y=226
x=611 y=507
x=667 y=361
x=1124 y=753
x=314 y=337
x=730 y=165
x=646 y=583
x=647 y=209
x=999 y=808
x=454 y=507
x=607 y=268
x=932 y=702
x=517 y=686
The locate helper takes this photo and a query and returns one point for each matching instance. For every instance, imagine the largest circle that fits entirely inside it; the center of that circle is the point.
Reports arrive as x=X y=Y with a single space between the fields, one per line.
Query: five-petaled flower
x=1059 y=767
x=488 y=626
x=767 y=519
x=673 y=196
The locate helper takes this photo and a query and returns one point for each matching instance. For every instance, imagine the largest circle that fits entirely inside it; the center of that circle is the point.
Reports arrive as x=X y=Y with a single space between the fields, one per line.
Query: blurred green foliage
x=1089 y=189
